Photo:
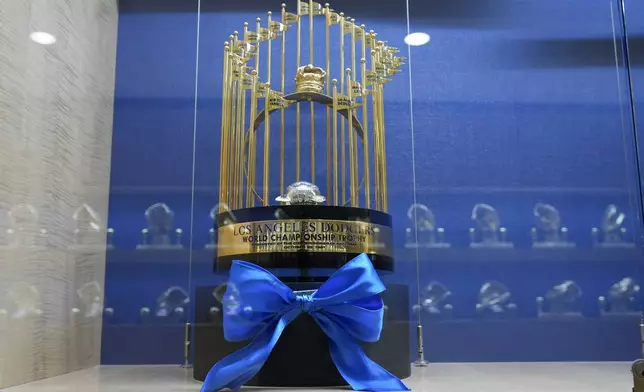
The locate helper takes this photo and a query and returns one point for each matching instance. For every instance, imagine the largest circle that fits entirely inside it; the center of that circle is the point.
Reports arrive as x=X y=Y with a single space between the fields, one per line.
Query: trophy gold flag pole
x=335 y=142
x=327 y=17
x=365 y=117
x=283 y=52
x=312 y=104
x=297 y=105
x=224 y=134
x=342 y=92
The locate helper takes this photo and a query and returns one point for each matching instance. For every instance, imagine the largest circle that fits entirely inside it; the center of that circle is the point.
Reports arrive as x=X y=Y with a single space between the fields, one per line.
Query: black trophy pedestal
x=301 y=357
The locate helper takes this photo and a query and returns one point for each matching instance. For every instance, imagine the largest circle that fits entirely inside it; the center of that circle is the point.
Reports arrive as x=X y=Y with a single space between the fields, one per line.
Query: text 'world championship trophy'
x=303 y=168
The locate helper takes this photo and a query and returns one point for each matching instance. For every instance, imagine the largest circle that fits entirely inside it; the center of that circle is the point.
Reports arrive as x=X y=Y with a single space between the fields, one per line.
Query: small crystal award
x=621 y=299
x=171 y=304
x=424 y=233
x=495 y=301
x=548 y=232
x=612 y=233
x=561 y=301
x=26 y=301
x=158 y=233
x=435 y=301
x=89 y=227
x=489 y=232
x=25 y=227
x=91 y=300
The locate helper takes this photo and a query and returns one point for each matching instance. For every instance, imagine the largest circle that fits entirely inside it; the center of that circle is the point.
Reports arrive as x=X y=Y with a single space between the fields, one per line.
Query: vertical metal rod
x=365 y=119
x=282 y=109
x=232 y=179
x=420 y=362
x=224 y=133
x=328 y=110
x=252 y=149
x=297 y=105
x=335 y=142
x=311 y=61
x=342 y=91
x=267 y=143
x=186 y=347
x=267 y=118
x=352 y=134
x=240 y=132
x=374 y=112
x=352 y=169
x=383 y=146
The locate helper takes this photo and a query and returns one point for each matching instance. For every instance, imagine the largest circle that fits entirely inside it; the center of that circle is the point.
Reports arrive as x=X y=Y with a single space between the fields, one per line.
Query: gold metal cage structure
x=353 y=105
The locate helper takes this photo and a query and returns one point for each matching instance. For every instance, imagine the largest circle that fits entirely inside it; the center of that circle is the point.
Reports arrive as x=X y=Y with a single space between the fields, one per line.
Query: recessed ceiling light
x=40 y=37
x=417 y=39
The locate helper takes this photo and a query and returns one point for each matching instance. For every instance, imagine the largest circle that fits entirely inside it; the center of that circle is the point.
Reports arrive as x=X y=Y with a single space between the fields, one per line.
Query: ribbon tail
x=356 y=368
x=236 y=369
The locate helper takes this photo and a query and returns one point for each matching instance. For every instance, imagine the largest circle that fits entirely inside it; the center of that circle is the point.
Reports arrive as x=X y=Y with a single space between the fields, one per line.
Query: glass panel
x=525 y=159
x=147 y=280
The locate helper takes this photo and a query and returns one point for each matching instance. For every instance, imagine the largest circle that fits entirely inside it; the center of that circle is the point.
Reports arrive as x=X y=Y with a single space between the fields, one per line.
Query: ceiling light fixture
x=40 y=37
x=417 y=39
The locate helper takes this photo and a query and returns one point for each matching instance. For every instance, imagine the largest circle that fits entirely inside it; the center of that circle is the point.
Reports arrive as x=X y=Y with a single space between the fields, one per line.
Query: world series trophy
x=303 y=163
x=425 y=233
x=612 y=232
x=158 y=233
x=495 y=301
x=561 y=301
x=336 y=206
x=620 y=299
x=489 y=233
x=548 y=232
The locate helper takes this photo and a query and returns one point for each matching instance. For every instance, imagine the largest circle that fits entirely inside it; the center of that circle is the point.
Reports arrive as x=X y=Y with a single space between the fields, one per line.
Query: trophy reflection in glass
x=158 y=233
x=25 y=229
x=489 y=233
x=548 y=232
x=620 y=299
x=435 y=301
x=561 y=301
x=227 y=217
x=89 y=226
x=171 y=304
x=495 y=301
x=612 y=233
x=91 y=300
x=424 y=234
x=26 y=301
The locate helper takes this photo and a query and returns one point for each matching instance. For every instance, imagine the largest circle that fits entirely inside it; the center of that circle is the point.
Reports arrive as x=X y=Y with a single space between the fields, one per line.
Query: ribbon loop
x=347 y=308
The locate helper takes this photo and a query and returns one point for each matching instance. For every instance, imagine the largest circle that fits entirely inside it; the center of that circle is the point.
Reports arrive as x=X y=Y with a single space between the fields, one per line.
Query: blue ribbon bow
x=347 y=307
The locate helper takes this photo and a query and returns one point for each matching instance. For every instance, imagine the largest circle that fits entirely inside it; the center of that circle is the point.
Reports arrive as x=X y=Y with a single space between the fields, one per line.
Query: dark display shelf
x=577 y=339
x=519 y=255
x=408 y=255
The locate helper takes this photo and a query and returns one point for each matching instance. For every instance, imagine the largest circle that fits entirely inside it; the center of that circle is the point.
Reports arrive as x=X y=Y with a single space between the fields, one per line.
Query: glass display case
x=448 y=187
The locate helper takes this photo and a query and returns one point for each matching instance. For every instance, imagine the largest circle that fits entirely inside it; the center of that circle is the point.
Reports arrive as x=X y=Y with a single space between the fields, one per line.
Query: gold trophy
x=298 y=199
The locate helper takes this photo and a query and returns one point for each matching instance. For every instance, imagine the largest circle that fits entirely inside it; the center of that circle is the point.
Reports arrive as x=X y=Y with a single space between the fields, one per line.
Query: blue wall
x=512 y=105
